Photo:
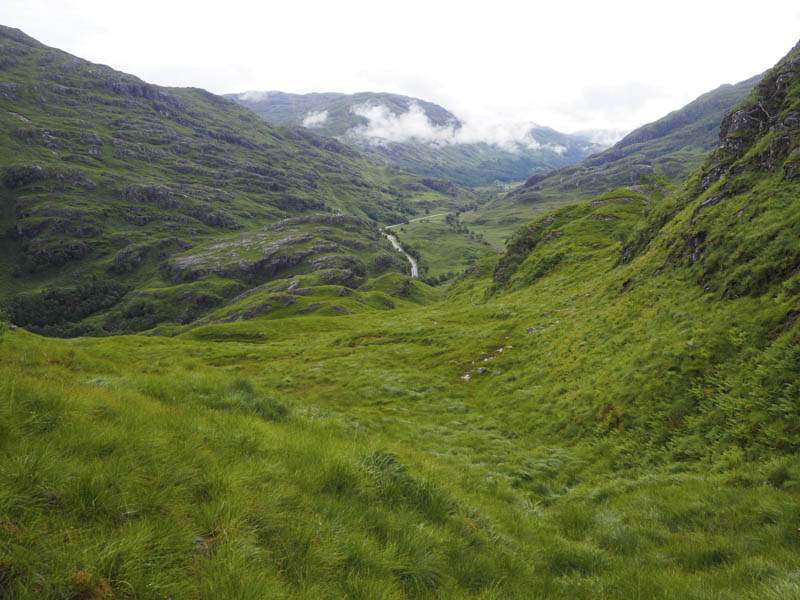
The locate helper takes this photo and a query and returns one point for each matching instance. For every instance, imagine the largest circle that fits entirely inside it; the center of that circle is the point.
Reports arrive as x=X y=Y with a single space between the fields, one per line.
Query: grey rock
x=286 y=300
x=791 y=170
x=740 y=121
x=792 y=119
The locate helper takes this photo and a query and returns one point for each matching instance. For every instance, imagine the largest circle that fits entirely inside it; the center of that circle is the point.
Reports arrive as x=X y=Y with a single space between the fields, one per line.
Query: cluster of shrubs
x=4 y=324
x=443 y=277
x=55 y=311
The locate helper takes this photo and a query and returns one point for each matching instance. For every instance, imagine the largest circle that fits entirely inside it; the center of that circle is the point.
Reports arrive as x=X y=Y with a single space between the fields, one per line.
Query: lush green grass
x=346 y=457
x=609 y=451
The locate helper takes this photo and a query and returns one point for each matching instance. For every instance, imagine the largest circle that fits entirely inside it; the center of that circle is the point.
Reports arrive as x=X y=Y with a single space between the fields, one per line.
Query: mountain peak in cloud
x=315 y=118
x=382 y=125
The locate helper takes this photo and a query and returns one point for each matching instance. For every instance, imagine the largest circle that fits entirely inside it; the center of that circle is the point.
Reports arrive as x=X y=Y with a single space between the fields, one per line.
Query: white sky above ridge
x=572 y=66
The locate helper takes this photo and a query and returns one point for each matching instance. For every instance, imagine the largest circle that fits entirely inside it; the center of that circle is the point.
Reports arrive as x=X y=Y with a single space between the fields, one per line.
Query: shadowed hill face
x=105 y=176
x=432 y=146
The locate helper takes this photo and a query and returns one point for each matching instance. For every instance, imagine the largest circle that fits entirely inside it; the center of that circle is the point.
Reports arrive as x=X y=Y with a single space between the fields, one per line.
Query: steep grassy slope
x=670 y=148
x=610 y=410
x=471 y=164
x=729 y=240
x=104 y=177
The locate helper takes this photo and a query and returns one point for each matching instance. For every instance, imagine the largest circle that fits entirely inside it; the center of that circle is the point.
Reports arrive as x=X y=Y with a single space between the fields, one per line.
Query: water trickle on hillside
x=393 y=241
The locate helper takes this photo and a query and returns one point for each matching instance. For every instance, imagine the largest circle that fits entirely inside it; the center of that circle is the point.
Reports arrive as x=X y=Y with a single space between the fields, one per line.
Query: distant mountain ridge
x=437 y=142
x=672 y=146
x=282 y=108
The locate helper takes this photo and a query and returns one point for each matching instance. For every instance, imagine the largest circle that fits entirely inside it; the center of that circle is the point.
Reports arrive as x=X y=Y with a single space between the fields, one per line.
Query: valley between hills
x=219 y=379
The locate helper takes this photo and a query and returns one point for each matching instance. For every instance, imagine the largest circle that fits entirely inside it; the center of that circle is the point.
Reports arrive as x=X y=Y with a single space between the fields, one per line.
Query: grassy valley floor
x=349 y=457
x=444 y=248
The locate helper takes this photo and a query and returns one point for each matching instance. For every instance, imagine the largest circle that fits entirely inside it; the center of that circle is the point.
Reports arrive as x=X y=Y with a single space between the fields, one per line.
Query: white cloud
x=315 y=118
x=603 y=137
x=254 y=96
x=384 y=126
x=532 y=61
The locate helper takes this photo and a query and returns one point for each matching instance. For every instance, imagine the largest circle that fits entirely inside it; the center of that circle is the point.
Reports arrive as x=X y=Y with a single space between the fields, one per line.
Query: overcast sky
x=570 y=65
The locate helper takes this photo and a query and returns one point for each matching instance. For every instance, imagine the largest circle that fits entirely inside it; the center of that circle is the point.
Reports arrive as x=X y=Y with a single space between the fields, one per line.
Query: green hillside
x=609 y=409
x=106 y=178
x=470 y=164
x=670 y=148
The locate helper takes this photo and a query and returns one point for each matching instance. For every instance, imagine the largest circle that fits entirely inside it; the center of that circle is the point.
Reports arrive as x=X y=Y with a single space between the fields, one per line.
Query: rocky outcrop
x=181 y=269
x=294 y=243
x=766 y=113
x=342 y=262
x=159 y=195
x=758 y=149
x=22 y=176
x=791 y=169
x=445 y=186
x=129 y=258
x=344 y=277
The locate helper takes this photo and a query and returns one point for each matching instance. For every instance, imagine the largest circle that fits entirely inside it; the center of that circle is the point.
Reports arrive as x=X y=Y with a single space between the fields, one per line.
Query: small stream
x=393 y=241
